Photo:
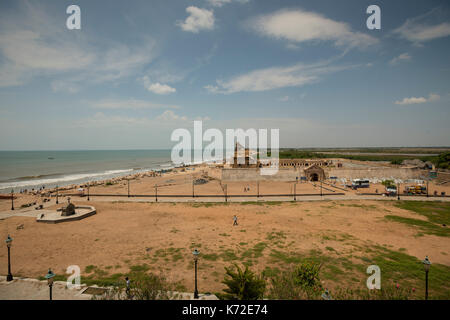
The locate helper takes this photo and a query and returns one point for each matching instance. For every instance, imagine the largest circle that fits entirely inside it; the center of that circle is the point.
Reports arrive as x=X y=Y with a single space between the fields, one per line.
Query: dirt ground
x=163 y=235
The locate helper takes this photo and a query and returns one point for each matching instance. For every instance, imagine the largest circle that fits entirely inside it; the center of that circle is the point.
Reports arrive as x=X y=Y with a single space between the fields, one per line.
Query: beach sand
x=163 y=235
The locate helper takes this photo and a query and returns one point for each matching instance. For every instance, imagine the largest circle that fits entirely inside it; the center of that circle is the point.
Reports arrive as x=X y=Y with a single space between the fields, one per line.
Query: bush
x=143 y=287
x=389 y=293
x=243 y=285
x=301 y=283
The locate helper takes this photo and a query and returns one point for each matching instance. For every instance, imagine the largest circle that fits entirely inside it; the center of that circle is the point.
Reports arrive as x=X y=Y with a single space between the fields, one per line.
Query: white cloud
x=274 y=78
x=303 y=26
x=161 y=88
x=157 y=87
x=64 y=86
x=198 y=19
x=416 y=100
x=402 y=57
x=129 y=104
x=32 y=43
x=220 y=3
x=424 y=28
x=169 y=115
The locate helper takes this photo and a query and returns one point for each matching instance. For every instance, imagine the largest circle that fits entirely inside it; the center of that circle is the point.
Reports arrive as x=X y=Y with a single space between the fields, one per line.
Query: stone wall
x=377 y=173
x=253 y=174
x=290 y=174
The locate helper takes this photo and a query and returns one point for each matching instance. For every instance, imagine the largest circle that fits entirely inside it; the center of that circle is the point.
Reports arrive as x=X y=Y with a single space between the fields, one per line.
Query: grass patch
x=425 y=227
x=255 y=252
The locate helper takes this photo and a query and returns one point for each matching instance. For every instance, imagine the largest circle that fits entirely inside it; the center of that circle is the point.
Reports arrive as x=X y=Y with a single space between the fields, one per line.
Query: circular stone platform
x=53 y=216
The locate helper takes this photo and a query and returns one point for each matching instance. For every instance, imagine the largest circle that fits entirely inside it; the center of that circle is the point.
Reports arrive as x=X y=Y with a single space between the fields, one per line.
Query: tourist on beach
x=235 y=221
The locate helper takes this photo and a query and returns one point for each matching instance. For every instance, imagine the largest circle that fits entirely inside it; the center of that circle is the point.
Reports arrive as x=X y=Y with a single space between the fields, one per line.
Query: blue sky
x=137 y=70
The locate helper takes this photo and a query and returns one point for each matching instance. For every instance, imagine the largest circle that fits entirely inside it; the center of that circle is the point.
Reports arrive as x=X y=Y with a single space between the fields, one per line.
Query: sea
x=21 y=170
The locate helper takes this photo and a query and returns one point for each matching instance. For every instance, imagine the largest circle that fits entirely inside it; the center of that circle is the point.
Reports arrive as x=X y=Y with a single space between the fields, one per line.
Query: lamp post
x=49 y=276
x=426 y=265
x=12 y=199
x=295 y=191
x=195 y=253
x=326 y=295
x=57 y=200
x=193 y=195
x=89 y=184
x=226 y=193
x=321 y=194
x=257 y=187
x=8 y=241
x=398 y=191
x=156 y=192
x=128 y=187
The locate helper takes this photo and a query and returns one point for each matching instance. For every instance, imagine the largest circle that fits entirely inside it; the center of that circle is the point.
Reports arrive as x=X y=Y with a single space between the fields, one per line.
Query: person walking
x=235 y=223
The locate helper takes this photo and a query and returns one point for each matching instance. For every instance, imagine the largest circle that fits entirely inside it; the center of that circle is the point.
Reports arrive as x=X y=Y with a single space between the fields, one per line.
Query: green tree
x=243 y=284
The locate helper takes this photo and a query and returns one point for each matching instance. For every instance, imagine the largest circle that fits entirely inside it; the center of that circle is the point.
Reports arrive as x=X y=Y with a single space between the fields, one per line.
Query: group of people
x=247 y=188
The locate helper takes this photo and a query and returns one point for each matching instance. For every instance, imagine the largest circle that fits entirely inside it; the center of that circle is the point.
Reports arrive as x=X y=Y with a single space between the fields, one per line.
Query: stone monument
x=69 y=209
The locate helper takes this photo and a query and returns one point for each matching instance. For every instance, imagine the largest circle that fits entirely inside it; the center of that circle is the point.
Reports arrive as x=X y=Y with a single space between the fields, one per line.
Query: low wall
x=253 y=174
x=290 y=174
x=377 y=173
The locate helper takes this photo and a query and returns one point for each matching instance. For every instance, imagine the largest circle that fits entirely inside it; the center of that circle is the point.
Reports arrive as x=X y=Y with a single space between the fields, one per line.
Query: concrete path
x=31 y=212
x=32 y=289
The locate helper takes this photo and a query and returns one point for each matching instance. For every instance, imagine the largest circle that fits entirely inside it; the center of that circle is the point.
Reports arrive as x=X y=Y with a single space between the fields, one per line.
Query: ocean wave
x=62 y=179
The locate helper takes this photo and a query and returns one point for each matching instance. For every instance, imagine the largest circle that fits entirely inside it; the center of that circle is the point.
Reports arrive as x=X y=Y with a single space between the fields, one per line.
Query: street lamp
x=398 y=191
x=12 y=199
x=8 y=241
x=57 y=200
x=128 y=187
x=426 y=265
x=326 y=295
x=49 y=276
x=89 y=184
x=295 y=191
x=195 y=253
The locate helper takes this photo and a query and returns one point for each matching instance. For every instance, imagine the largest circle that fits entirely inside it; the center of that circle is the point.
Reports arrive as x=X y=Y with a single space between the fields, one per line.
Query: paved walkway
x=32 y=289
x=31 y=212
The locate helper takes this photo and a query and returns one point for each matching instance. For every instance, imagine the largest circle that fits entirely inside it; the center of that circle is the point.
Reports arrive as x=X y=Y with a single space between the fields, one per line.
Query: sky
x=137 y=70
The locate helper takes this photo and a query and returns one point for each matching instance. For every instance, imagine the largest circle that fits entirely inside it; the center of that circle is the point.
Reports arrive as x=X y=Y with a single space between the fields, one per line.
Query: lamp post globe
x=49 y=276
x=195 y=253
x=9 y=241
x=326 y=295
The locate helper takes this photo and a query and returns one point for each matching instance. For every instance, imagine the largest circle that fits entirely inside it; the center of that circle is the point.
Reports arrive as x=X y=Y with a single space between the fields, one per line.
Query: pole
x=57 y=200
x=295 y=191
x=257 y=187
x=226 y=193
x=193 y=196
x=321 y=187
x=50 y=286
x=88 y=190
x=156 y=192
x=195 y=291
x=426 y=285
x=398 y=191
x=12 y=199
x=128 y=187
x=9 y=277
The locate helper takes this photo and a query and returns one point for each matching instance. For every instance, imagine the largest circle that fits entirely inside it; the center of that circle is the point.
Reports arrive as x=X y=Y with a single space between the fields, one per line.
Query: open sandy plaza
x=342 y=229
